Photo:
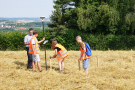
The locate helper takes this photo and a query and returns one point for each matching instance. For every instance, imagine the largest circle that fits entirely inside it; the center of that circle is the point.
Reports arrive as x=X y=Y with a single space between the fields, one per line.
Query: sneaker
x=40 y=71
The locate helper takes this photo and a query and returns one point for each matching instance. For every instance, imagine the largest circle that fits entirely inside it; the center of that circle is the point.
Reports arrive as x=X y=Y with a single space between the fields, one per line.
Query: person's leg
x=38 y=62
x=86 y=71
x=86 y=65
x=38 y=65
x=62 y=64
x=59 y=62
x=33 y=65
x=29 y=59
x=27 y=50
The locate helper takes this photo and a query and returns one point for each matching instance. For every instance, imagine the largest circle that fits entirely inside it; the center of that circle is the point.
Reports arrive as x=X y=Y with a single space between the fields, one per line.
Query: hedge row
x=98 y=42
x=15 y=41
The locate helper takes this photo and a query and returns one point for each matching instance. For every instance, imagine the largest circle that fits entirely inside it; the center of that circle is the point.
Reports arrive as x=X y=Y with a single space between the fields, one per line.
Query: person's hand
x=43 y=38
x=55 y=56
x=79 y=59
x=34 y=54
x=26 y=43
x=38 y=45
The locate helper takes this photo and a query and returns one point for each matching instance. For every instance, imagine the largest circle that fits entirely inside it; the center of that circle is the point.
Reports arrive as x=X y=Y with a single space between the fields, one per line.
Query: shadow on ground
x=20 y=64
x=56 y=69
x=48 y=67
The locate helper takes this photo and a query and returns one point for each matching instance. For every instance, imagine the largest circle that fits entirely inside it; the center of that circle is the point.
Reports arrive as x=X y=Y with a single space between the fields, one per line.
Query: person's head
x=35 y=33
x=54 y=42
x=78 y=39
x=31 y=31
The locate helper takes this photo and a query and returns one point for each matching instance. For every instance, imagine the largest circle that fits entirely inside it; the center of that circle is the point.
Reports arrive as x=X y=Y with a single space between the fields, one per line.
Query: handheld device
x=45 y=41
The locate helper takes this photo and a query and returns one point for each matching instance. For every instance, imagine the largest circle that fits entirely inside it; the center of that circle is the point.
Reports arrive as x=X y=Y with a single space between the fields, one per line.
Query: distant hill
x=24 y=18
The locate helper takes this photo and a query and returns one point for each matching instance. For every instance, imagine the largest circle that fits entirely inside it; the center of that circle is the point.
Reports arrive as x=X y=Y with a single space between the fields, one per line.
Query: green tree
x=130 y=20
x=57 y=28
x=95 y=16
x=61 y=18
x=91 y=16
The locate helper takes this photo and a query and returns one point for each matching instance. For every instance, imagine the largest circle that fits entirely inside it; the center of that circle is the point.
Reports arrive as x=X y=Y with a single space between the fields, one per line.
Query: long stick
x=45 y=58
x=131 y=57
x=50 y=63
x=43 y=27
x=44 y=45
x=79 y=64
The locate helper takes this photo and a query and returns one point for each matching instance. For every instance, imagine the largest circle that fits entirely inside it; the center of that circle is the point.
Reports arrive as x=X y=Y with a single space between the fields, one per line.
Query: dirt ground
x=116 y=71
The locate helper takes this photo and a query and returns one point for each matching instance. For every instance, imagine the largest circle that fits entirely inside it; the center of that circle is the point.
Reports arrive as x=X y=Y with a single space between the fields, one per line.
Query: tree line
x=104 y=17
x=15 y=40
x=101 y=23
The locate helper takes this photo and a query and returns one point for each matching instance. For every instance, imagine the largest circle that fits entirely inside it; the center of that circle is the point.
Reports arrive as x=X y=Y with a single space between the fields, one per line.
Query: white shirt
x=27 y=39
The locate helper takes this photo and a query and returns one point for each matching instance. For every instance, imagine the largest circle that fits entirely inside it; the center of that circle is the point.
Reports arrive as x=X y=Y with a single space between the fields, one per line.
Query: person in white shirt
x=27 y=39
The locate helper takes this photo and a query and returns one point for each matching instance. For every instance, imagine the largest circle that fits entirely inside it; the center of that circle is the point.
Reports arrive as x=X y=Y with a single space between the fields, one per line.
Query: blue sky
x=26 y=8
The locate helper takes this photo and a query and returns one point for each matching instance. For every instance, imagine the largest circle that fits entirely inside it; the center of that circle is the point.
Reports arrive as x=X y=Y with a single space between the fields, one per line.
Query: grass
x=115 y=72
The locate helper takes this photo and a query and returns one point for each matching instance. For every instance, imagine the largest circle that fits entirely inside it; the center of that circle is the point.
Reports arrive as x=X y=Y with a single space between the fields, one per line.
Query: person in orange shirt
x=34 y=50
x=83 y=57
x=60 y=52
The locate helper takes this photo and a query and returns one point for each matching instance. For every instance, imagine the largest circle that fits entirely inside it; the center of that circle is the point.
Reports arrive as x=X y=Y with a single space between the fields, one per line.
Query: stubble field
x=115 y=71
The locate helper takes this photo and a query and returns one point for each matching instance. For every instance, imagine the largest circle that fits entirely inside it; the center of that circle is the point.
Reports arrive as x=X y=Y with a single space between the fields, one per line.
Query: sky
x=26 y=8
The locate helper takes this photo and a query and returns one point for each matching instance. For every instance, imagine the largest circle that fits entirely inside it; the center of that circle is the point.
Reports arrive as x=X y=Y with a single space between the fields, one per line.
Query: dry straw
x=115 y=72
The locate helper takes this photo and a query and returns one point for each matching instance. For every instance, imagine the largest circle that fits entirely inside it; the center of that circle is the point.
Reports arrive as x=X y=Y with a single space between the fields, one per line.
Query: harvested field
x=116 y=71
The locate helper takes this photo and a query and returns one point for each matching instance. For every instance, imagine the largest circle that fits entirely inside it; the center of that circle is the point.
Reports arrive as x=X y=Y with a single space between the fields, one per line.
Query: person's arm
x=25 y=40
x=84 y=50
x=55 y=54
x=33 y=44
x=41 y=40
x=33 y=49
x=26 y=43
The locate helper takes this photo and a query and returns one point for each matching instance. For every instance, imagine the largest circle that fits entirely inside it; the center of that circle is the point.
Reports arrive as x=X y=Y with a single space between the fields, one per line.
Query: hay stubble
x=115 y=71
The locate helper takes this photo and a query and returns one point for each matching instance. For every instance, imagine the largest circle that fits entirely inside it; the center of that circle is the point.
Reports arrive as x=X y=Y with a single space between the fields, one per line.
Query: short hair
x=78 y=37
x=30 y=29
x=35 y=32
x=54 y=42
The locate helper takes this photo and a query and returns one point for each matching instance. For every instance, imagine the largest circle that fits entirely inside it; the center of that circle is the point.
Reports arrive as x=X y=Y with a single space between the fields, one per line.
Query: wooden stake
x=79 y=64
x=50 y=63
x=131 y=57
x=108 y=49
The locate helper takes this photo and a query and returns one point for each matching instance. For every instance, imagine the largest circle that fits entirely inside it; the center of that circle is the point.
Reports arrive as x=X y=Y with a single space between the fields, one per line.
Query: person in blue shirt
x=27 y=39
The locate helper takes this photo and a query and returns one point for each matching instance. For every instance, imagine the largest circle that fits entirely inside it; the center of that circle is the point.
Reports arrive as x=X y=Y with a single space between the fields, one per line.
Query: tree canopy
x=93 y=16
